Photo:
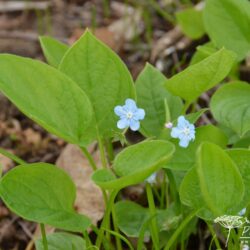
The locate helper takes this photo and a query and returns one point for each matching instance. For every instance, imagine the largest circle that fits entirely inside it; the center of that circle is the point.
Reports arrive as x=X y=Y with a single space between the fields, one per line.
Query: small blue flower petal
x=175 y=132
x=119 y=110
x=134 y=125
x=184 y=142
x=130 y=105
x=139 y=114
x=123 y=123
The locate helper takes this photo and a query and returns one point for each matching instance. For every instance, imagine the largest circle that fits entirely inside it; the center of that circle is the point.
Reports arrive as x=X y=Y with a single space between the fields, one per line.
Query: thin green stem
x=185 y=107
x=211 y=229
x=117 y=239
x=89 y=158
x=152 y=210
x=102 y=152
x=105 y=221
x=44 y=238
x=180 y=229
x=12 y=156
x=110 y=150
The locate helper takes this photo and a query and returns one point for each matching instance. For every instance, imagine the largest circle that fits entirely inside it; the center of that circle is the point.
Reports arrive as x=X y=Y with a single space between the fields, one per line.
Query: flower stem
x=105 y=221
x=179 y=230
x=45 y=242
x=89 y=158
x=102 y=152
x=152 y=210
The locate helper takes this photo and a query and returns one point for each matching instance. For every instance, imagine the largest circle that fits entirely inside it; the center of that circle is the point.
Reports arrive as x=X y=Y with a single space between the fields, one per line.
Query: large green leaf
x=62 y=241
x=230 y=106
x=198 y=78
x=184 y=158
x=191 y=22
x=155 y=100
x=204 y=186
x=241 y=158
x=220 y=181
x=227 y=23
x=53 y=50
x=103 y=76
x=47 y=96
x=42 y=193
x=134 y=164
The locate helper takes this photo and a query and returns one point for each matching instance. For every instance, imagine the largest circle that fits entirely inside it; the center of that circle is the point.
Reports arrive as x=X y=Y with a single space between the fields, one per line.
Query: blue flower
x=185 y=131
x=129 y=115
x=152 y=179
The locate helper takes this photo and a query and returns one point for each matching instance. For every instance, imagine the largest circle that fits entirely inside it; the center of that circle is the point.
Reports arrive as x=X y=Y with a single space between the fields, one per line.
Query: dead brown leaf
x=89 y=199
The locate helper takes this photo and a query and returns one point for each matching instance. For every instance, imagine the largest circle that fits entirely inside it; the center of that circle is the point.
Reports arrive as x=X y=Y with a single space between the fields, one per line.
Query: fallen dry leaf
x=5 y=162
x=89 y=200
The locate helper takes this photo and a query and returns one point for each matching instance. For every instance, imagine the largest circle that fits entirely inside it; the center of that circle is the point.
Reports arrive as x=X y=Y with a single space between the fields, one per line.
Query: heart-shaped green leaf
x=184 y=158
x=227 y=23
x=62 y=241
x=46 y=96
x=43 y=193
x=134 y=164
x=103 y=76
x=160 y=106
x=230 y=106
x=200 y=77
x=204 y=187
x=53 y=50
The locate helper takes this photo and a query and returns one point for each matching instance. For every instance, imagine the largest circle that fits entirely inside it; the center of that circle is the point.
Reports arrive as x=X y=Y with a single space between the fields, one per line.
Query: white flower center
x=186 y=131
x=129 y=115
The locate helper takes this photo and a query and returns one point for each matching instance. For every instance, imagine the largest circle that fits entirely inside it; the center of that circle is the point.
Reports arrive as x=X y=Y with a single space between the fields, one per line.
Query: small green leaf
x=103 y=76
x=227 y=23
x=241 y=158
x=134 y=164
x=153 y=98
x=131 y=218
x=184 y=158
x=191 y=22
x=200 y=77
x=230 y=106
x=53 y=50
x=43 y=193
x=62 y=241
x=46 y=96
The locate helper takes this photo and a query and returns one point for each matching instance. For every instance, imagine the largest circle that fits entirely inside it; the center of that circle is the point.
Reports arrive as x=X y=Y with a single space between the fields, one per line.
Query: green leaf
x=200 y=77
x=42 y=193
x=131 y=217
x=46 y=96
x=220 y=181
x=202 y=52
x=184 y=158
x=53 y=50
x=62 y=241
x=227 y=23
x=241 y=158
x=134 y=164
x=153 y=98
x=103 y=76
x=204 y=187
x=191 y=22
x=230 y=106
